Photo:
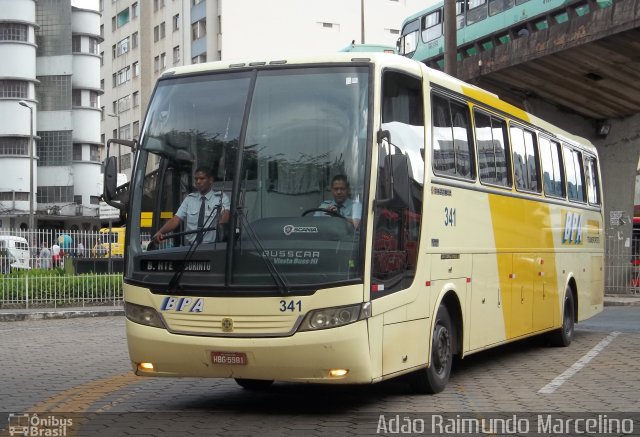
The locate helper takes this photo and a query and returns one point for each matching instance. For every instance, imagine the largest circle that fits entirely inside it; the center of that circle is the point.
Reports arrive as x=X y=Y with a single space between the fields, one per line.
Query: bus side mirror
x=111 y=182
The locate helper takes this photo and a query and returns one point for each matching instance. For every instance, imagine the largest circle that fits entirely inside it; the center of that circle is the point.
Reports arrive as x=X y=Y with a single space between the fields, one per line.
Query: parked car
x=15 y=251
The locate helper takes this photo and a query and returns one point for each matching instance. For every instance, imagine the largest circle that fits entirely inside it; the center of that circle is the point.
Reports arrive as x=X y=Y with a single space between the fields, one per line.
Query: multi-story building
x=142 y=38
x=50 y=146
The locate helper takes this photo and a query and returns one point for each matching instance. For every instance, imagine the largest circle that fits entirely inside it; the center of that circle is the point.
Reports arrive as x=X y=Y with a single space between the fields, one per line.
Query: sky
x=85 y=4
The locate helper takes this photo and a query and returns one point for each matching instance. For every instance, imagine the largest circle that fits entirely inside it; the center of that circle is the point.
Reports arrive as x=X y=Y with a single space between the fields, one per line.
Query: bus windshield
x=279 y=143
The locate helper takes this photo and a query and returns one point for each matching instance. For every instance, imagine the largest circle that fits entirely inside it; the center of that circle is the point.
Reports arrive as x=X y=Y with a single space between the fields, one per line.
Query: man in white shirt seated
x=199 y=210
x=342 y=204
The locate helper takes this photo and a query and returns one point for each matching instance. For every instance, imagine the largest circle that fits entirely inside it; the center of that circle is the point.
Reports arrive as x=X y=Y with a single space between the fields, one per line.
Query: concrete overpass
x=583 y=75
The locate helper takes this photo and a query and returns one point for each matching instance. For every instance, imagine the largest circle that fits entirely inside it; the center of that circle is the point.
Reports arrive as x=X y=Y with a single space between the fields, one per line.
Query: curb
x=58 y=314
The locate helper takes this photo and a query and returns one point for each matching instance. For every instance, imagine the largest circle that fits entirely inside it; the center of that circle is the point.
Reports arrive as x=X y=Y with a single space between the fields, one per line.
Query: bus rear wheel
x=434 y=378
x=563 y=336
x=254 y=384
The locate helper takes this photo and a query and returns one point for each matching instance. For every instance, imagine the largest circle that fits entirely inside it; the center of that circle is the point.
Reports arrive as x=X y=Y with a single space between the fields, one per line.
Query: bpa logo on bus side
x=186 y=304
x=572 y=228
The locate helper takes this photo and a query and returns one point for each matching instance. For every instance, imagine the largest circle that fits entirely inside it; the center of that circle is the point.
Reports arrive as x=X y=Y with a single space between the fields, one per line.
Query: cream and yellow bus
x=479 y=224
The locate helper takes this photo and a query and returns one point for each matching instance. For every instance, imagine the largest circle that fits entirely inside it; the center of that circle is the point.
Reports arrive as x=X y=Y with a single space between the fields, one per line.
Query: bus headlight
x=333 y=317
x=143 y=315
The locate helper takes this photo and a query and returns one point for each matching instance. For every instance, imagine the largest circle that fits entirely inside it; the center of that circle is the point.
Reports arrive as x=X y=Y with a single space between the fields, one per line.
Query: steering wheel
x=326 y=211
x=331 y=213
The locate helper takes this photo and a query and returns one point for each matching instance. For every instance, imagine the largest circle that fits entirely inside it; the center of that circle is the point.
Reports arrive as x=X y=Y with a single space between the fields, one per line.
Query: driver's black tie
x=201 y=214
x=339 y=207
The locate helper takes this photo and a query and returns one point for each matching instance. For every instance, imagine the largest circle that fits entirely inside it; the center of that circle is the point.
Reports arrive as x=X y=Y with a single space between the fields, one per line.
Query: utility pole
x=361 y=21
x=119 y=166
x=450 y=39
x=31 y=192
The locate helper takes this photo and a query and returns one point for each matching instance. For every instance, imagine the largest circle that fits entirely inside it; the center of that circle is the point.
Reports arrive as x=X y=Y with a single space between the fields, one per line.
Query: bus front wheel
x=254 y=384
x=563 y=336
x=434 y=378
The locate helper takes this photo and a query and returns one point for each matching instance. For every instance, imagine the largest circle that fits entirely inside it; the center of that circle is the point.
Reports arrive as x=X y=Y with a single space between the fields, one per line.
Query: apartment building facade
x=50 y=145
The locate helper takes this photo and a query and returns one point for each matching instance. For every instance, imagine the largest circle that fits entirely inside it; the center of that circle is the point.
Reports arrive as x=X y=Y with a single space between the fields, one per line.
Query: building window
x=113 y=24
x=176 y=54
x=55 y=194
x=54 y=148
x=93 y=46
x=13 y=32
x=101 y=59
x=199 y=29
x=94 y=153
x=156 y=33
x=136 y=129
x=94 y=200
x=176 y=22
x=122 y=18
x=122 y=47
x=125 y=132
x=125 y=161
x=162 y=30
x=102 y=113
x=163 y=60
x=136 y=69
x=135 y=10
x=77 y=199
x=134 y=40
x=53 y=33
x=14 y=146
x=77 y=152
x=14 y=88
x=156 y=63
x=136 y=98
x=124 y=104
x=199 y=59
x=76 y=44
x=76 y=98
x=123 y=75
x=93 y=99
x=54 y=93
x=14 y=195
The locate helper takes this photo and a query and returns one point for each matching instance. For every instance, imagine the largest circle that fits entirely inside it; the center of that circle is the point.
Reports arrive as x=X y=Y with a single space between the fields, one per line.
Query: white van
x=16 y=249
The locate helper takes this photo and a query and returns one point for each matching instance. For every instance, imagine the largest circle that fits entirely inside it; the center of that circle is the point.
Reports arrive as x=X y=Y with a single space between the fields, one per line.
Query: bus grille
x=232 y=326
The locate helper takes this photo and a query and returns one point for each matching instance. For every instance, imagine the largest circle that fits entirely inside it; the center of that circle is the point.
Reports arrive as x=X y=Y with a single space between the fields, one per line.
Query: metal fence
x=622 y=265
x=53 y=268
x=85 y=275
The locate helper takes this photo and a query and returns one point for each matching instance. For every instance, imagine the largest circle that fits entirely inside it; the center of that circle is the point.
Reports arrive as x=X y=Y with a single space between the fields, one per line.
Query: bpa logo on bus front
x=572 y=228
x=186 y=304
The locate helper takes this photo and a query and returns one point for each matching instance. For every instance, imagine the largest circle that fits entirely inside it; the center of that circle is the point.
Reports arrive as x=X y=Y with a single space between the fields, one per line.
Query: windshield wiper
x=275 y=274
x=174 y=283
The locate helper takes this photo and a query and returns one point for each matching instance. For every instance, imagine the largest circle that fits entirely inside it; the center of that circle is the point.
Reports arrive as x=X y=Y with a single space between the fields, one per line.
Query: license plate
x=229 y=358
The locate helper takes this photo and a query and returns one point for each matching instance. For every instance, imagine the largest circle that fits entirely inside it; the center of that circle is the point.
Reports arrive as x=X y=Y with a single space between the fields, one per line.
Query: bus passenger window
x=497 y=6
x=493 y=156
x=432 y=26
x=593 y=187
x=477 y=11
x=551 y=168
x=575 y=178
x=525 y=159
x=452 y=145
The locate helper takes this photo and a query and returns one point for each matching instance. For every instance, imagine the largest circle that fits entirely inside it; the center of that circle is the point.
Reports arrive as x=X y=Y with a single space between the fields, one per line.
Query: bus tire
x=254 y=384
x=434 y=378
x=562 y=337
